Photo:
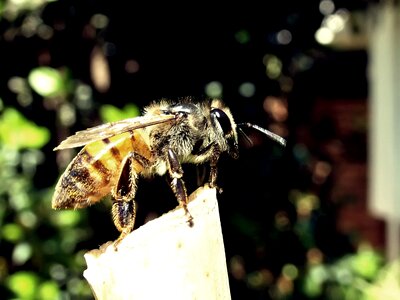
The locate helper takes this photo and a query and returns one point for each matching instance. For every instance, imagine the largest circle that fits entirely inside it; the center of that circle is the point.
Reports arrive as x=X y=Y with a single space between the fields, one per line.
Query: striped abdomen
x=95 y=170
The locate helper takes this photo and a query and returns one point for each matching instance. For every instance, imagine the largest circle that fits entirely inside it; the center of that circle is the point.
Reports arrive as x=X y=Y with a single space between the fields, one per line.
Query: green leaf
x=18 y=132
x=47 y=81
x=110 y=113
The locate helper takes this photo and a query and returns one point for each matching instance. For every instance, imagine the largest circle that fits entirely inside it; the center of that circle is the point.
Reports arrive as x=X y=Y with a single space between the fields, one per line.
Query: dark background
x=179 y=50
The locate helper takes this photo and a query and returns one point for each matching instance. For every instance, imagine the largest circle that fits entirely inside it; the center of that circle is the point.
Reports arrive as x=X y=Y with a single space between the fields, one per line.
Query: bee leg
x=213 y=169
x=177 y=183
x=124 y=207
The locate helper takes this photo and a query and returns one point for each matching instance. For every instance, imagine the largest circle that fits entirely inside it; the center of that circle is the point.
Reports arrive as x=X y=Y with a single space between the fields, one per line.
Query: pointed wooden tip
x=165 y=258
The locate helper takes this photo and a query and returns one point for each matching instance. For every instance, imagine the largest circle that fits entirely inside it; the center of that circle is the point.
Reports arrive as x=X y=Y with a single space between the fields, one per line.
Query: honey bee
x=167 y=135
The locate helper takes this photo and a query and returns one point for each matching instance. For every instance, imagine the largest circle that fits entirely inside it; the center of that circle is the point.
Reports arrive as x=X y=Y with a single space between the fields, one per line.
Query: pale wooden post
x=166 y=258
x=384 y=133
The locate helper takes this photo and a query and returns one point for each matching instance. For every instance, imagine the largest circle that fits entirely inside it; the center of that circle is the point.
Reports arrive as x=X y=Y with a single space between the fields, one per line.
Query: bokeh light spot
x=23 y=284
x=336 y=22
x=321 y=171
x=236 y=267
x=324 y=36
x=46 y=81
x=282 y=221
x=247 y=89
x=21 y=253
x=99 y=70
x=214 y=89
x=276 y=108
x=314 y=256
x=326 y=7
x=67 y=114
x=58 y=272
x=28 y=219
x=12 y=232
x=242 y=36
x=99 y=21
x=45 y=32
x=273 y=66
x=17 y=84
x=83 y=96
x=284 y=37
x=131 y=66
x=290 y=271
x=259 y=279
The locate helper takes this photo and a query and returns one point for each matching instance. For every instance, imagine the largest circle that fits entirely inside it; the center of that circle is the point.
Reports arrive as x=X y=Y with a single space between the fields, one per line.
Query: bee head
x=225 y=126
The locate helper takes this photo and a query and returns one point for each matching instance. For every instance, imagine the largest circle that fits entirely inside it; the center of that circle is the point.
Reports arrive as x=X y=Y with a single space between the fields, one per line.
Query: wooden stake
x=165 y=258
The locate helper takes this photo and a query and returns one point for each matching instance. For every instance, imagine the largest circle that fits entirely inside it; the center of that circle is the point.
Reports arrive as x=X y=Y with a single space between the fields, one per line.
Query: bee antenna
x=268 y=133
x=246 y=137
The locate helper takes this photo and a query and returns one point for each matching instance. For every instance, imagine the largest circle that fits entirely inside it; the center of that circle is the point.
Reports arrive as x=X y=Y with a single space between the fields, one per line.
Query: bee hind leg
x=177 y=183
x=124 y=206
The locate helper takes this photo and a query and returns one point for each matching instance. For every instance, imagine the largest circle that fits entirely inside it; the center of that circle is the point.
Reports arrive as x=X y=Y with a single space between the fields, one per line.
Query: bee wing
x=107 y=130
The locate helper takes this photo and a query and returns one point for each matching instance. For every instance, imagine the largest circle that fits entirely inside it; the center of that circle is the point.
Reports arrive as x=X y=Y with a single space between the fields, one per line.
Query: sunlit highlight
x=331 y=25
x=324 y=36
x=46 y=81
x=335 y=22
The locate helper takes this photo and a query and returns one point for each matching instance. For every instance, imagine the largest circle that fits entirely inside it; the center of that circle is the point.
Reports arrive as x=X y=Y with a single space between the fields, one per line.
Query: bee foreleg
x=177 y=183
x=213 y=167
x=124 y=207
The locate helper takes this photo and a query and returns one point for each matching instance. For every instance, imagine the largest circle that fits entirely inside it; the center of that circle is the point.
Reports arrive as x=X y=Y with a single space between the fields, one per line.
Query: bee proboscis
x=167 y=135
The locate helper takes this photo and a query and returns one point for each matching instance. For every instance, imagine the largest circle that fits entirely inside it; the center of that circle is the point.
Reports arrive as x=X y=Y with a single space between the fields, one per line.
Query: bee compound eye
x=222 y=118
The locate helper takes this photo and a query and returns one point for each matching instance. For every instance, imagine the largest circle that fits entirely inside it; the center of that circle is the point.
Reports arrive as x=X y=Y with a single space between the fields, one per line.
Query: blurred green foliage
x=18 y=132
x=110 y=113
x=38 y=257
x=47 y=82
x=345 y=278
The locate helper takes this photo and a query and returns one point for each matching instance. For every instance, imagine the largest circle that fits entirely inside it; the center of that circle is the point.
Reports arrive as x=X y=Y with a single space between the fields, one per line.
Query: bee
x=166 y=136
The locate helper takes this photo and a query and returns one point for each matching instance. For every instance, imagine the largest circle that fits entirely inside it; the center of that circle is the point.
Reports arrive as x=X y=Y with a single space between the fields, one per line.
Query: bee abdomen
x=94 y=171
x=86 y=181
